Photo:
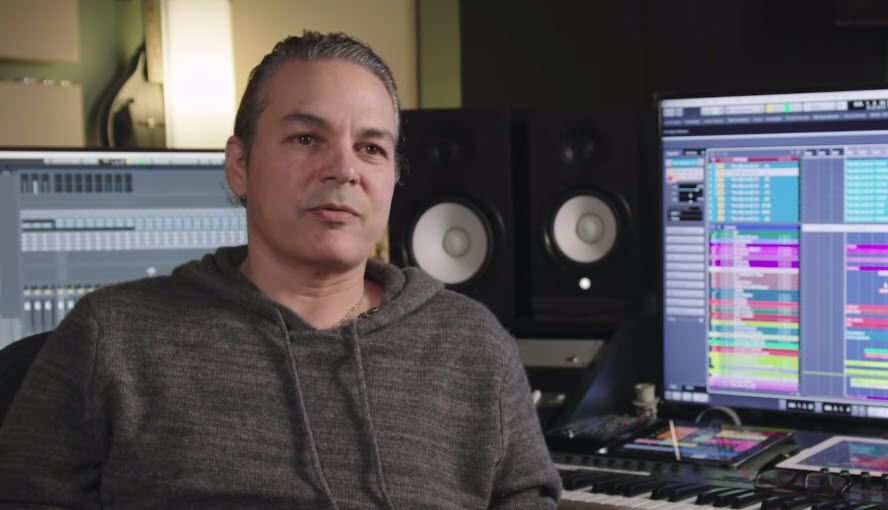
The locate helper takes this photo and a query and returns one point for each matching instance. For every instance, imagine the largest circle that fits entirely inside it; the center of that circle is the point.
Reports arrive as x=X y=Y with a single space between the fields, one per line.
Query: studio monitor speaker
x=452 y=213
x=582 y=197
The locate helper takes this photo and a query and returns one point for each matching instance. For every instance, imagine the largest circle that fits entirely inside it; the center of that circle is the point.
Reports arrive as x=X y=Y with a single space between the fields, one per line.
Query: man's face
x=321 y=169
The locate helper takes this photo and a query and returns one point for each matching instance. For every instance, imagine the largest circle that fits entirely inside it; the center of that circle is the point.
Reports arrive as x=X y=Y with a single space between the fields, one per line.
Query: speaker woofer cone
x=451 y=242
x=584 y=229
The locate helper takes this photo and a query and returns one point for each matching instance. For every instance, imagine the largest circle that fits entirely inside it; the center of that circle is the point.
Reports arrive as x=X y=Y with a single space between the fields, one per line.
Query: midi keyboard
x=596 y=482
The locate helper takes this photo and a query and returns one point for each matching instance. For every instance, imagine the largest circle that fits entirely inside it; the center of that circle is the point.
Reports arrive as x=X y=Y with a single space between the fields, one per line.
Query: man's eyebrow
x=306 y=118
x=378 y=133
x=315 y=120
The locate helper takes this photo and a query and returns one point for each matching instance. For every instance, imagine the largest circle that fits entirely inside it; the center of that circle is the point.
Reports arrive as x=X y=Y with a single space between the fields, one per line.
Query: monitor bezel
x=96 y=149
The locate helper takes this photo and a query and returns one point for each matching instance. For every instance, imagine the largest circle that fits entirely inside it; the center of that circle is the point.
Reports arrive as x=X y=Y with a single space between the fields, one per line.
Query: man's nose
x=339 y=166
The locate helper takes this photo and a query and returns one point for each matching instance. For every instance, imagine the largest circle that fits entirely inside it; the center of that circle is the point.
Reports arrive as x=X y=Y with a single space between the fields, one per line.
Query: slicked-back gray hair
x=310 y=46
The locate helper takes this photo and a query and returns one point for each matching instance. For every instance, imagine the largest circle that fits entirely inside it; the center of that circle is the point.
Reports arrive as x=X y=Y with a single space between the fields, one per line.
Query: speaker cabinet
x=452 y=213
x=582 y=197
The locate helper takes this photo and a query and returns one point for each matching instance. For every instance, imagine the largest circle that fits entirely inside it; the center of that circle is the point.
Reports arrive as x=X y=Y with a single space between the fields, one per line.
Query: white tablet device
x=856 y=454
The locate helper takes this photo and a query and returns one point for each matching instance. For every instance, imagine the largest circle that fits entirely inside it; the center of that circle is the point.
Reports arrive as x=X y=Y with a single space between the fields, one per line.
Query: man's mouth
x=337 y=207
x=334 y=212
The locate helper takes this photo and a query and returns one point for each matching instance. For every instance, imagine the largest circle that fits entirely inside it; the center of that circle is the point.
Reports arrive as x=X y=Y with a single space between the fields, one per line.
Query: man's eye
x=304 y=139
x=372 y=149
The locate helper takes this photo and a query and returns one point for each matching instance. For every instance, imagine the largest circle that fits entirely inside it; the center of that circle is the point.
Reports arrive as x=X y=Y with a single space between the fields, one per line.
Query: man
x=294 y=373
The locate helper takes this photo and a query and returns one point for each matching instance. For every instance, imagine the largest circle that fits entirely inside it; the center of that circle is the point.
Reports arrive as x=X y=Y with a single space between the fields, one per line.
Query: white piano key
x=686 y=506
x=651 y=504
x=640 y=501
x=585 y=497
x=606 y=499
x=630 y=502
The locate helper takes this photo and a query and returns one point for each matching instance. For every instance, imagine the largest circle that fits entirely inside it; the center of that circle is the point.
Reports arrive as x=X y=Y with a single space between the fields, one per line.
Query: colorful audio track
x=753 y=337
x=866 y=191
x=866 y=316
x=753 y=265
x=866 y=277
x=754 y=189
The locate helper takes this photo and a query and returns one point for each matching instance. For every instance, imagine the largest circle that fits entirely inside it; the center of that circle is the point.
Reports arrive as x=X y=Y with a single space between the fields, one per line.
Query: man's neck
x=321 y=297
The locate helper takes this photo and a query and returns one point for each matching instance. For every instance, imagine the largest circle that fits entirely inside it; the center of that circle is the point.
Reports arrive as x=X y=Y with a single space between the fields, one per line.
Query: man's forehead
x=300 y=89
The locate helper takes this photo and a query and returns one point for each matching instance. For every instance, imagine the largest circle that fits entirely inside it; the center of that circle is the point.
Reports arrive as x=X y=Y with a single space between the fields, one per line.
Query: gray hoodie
x=197 y=391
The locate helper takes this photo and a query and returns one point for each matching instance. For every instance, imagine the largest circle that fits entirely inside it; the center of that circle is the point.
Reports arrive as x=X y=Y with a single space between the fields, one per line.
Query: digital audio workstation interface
x=73 y=221
x=775 y=252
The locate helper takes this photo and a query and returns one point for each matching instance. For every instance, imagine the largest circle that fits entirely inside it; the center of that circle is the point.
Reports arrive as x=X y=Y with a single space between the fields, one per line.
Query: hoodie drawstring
x=365 y=404
x=312 y=446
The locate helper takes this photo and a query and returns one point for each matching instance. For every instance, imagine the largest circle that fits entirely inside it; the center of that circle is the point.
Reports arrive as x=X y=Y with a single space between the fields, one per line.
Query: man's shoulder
x=152 y=306
x=155 y=290
x=457 y=305
x=466 y=322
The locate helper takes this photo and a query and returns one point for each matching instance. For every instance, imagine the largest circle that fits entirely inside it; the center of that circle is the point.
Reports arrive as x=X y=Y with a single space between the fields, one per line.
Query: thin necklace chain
x=350 y=312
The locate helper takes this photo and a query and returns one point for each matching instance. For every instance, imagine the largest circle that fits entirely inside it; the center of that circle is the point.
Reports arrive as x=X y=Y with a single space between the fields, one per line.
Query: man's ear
x=236 y=166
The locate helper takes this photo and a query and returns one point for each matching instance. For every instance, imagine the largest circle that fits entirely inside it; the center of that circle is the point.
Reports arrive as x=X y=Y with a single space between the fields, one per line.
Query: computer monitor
x=775 y=251
x=74 y=220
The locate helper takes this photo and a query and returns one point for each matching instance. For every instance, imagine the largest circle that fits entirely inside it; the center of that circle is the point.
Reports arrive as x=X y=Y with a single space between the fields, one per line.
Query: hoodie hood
x=405 y=289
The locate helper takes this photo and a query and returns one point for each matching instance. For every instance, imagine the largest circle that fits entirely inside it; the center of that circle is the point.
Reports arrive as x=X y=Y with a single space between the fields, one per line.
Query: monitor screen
x=775 y=251
x=72 y=221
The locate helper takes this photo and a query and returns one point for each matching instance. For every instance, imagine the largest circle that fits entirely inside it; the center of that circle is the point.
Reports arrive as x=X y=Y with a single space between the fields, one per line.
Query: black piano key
x=583 y=479
x=606 y=486
x=706 y=498
x=610 y=476
x=563 y=474
x=568 y=475
x=666 y=490
x=827 y=505
x=572 y=483
x=865 y=506
x=568 y=472
x=687 y=491
x=844 y=504
x=728 y=498
x=617 y=487
x=798 y=503
x=572 y=480
x=745 y=499
x=642 y=487
x=774 y=502
x=602 y=476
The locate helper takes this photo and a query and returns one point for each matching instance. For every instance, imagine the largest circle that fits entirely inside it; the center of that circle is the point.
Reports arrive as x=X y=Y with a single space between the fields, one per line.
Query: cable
x=730 y=413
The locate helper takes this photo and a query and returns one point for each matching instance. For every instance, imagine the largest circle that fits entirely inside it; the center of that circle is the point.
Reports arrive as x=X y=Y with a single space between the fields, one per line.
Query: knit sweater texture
x=195 y=390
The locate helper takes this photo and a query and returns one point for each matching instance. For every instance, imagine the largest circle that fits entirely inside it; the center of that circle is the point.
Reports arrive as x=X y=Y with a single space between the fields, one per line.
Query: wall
x=440 y=81
x=562 y=54
x=109 y=31
x=389 y=26
x=574 y=54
